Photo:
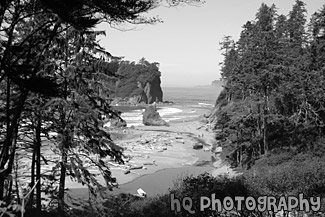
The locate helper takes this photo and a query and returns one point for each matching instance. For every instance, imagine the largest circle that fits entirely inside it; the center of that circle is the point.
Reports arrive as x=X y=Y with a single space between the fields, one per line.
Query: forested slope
x=270 y=116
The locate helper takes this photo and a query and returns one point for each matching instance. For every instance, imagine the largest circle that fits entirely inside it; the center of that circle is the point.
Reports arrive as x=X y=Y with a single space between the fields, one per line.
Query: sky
x=186 y=44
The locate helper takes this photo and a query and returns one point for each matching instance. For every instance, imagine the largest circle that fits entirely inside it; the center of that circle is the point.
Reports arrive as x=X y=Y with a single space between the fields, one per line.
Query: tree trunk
x=32 y=182
x=241 y=156
x=265 y=130
x=12 y=154
x=66 y=139
x=61 y=204
x=265 y=140
x=259 y=129
x=38 y=162
x=9 y=142
x=2 y=179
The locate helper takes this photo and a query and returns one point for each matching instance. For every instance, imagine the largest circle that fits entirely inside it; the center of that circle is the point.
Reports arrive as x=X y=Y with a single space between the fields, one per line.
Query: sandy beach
x=149 y=149
x=155 y=156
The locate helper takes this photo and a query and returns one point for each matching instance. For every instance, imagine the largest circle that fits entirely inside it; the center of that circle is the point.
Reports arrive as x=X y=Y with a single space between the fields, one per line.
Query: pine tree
x=29 y=64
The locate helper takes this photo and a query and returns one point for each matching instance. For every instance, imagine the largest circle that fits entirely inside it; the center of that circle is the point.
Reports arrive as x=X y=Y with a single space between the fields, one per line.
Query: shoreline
x=167 y=148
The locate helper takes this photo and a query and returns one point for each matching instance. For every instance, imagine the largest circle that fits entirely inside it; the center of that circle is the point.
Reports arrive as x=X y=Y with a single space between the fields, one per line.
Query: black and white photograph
x=162 y=108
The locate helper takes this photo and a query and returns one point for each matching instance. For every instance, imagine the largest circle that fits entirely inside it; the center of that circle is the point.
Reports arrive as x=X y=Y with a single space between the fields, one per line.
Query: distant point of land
x=219 y=82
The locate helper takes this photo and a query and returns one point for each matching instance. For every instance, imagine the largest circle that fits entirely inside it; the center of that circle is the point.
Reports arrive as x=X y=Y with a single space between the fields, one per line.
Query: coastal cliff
x=153 y=91
x=138 y=83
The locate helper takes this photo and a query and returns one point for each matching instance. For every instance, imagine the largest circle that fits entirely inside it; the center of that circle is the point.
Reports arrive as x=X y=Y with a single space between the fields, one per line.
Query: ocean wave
x=205 y=104
x=172 y=119
x=180 y=117
x=168 y=111
x=134 y=117
x=132 y=113
x=136 y=124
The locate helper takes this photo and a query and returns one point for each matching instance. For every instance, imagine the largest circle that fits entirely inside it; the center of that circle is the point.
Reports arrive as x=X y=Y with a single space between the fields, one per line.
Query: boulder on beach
x=151 y=117
x=168 y=102
x=135 y=167
x=117 y=123
x=206 y=149
x=218 y=150
x=198 y=146
x=113 y=120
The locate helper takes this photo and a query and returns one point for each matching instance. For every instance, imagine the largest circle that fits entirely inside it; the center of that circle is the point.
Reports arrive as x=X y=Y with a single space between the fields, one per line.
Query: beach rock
x=135 y=167
x=151 y=117
x=203 y=119
x=115 y=121
x=218 y=150
x=202 y=163
x=163 y=149
x=168 y=102
x=198 y=146
x=206 y=149
x=118 y=122
x=144 y=141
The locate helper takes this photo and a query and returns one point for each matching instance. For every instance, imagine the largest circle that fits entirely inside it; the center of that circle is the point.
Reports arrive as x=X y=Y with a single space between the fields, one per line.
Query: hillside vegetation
x=273 y=101
x=270 y=116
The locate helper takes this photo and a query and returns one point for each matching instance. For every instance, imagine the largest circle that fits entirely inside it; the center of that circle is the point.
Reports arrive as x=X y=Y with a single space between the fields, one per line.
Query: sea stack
x=151 y=117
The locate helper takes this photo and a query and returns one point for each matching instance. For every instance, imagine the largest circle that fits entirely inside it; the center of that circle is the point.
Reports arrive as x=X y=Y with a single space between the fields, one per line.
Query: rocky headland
x=138 y=83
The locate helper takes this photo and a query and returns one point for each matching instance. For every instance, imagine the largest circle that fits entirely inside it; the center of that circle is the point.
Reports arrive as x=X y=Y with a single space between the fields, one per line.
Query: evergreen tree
x=277 y=90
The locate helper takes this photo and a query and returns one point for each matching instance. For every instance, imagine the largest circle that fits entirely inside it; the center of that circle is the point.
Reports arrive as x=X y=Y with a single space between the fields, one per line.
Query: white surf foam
x=134 y=118
x=134 y=124
x=172 y=119
x=205 y=104
x=168 y=111
x=180 y=117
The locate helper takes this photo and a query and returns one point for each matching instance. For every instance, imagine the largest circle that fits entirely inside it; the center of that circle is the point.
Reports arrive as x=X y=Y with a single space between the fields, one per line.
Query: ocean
x=185 y=101
x=192 y=96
